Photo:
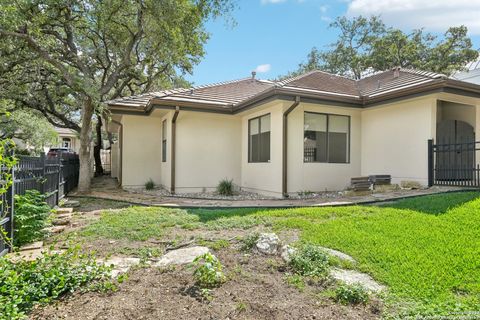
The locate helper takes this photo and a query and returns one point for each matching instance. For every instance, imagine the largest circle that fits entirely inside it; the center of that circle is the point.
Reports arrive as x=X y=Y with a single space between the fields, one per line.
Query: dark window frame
x=164 y=140
x=328 y=138
x=259 y=132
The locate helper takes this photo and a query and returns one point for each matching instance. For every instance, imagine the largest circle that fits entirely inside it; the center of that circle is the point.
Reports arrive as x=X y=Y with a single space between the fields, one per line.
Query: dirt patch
x=256 y=289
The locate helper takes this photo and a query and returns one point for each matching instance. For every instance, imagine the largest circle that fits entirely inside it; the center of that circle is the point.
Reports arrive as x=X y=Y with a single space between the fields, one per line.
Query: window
x=66 y=143
x=164 y=141
x=259 y=139
x=326 y=138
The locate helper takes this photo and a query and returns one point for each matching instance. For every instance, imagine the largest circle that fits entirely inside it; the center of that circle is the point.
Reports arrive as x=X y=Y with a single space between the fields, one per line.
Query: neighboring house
x=67 y=138
x=471 y=74
x=313 y=132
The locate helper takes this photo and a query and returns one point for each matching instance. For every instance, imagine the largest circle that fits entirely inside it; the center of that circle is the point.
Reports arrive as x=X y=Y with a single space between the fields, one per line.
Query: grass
x=425 y=249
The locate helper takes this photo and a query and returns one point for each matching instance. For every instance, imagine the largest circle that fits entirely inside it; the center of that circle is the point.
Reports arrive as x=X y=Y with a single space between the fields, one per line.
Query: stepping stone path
x=181 y=256
x=64 y=210
x=72 y=203
x=352 y=277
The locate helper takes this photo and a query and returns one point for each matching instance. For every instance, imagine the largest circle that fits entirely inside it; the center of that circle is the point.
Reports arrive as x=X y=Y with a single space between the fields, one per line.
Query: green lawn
x=426 y=249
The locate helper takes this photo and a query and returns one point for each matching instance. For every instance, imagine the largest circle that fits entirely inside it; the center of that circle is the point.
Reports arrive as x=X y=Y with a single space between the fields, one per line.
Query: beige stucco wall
x=207 y=150
x=394 y=139
x=265 y=178
x=321 y=176
x=141 y=150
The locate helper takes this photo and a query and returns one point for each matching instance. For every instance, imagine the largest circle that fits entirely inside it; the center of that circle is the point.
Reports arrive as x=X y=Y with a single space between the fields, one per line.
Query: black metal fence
x=454 y=164
x=54 y=177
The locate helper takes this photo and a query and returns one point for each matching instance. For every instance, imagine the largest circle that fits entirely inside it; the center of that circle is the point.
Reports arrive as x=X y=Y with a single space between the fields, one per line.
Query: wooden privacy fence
x=54 y=177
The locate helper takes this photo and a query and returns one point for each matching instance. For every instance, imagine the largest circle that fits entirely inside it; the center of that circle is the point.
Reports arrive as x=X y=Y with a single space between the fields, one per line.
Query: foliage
x=28 y=126
x=296 y=281
x=26 y=283
x=225 y=187
x=249 y=241
x=366 y=44
x=7 y=162
x=208 y=271
x=351 y=294
x=149 y=185
x=31 y=217
x=310 y=260
x=65 y=58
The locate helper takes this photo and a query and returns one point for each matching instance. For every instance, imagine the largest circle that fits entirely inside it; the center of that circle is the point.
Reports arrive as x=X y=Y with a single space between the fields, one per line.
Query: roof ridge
x=430 y=74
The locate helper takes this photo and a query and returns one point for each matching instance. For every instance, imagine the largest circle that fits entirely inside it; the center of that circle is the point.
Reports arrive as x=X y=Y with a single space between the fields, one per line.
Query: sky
x=273 y=36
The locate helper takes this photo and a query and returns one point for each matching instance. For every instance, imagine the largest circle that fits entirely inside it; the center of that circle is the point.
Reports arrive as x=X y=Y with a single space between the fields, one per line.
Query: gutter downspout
x=173 y=155
x=121 y=149
x=285 y=147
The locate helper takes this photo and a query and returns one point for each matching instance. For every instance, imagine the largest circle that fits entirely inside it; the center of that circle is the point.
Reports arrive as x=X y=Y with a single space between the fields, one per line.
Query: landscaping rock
x=181 y=256
x=72 y=203
x=64 y=210
x=268 y=243
x=63 y=216
x=286 y=252
x=55 y=229
x=121 y=264
x=340 y=255
x=352 y=277
x=32 y=246
x=30 y=255
x=61 y=222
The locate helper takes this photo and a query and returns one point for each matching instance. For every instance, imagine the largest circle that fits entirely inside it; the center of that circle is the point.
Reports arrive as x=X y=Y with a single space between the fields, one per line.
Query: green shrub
x=31 y=217
x=225 y=187
x=311 y=261
x=208 y=271
x=351 y=294
x=26 y=283
x=249 y=242
x=149 y=185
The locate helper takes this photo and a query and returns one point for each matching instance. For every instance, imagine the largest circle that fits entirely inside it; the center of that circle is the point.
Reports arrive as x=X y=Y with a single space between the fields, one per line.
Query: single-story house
x=313 y=132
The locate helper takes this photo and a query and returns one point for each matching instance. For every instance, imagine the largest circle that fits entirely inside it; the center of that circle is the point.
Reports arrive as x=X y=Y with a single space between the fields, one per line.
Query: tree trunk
x=98 y=147
x=85 y=144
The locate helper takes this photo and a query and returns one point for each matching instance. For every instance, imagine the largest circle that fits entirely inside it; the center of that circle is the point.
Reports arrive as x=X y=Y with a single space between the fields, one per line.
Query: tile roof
x=237 y=93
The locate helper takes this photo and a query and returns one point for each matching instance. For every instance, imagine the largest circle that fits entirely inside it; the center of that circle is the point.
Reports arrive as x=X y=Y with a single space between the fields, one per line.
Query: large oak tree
x=65 y=58
x=366 y=45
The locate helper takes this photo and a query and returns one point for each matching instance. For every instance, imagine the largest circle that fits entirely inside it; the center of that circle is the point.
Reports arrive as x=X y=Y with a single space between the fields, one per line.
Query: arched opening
x=455 y=158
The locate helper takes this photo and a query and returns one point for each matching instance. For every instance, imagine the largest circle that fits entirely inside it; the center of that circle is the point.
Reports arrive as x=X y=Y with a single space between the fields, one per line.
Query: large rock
x=121 y=264
x=181 y=256
x=340 y=255
x=353 y=277
x=268 y=243
x=286 y=252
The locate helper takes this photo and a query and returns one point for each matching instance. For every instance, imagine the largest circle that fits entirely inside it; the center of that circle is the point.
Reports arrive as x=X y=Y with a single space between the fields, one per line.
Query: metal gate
x=453 y=164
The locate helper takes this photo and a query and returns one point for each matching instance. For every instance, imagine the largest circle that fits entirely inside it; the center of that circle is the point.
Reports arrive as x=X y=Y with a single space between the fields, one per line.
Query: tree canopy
x=366 y=44
x=64 y=58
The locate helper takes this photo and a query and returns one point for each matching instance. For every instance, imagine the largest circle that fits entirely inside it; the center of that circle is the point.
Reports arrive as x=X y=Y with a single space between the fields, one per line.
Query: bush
x=31 y=217
x=351 y=294
x=310 y=261
x=149 y=185
x=26 y=283
x=249 y=242
x=208 y=272
x=225 y=187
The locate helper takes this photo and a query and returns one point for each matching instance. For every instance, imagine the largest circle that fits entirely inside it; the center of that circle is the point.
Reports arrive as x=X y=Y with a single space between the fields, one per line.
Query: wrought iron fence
x=54 y=177
x=454 y=164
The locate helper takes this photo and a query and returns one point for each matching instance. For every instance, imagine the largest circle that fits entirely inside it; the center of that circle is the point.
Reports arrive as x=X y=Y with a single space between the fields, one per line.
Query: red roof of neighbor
x=235 y=94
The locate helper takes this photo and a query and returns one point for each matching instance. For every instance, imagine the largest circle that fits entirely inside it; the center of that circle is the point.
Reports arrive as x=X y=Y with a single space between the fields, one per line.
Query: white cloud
x=263 y=68
x=434 y=15
x=323 y=9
